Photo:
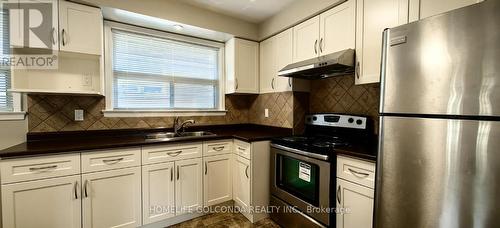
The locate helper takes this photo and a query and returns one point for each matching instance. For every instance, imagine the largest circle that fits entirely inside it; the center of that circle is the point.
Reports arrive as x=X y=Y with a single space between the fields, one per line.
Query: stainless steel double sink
x=167 y=136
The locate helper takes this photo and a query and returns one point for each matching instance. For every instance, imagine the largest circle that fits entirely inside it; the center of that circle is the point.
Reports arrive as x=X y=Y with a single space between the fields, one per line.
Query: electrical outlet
x=266 y=113
x=79 y=115
x=87 y=79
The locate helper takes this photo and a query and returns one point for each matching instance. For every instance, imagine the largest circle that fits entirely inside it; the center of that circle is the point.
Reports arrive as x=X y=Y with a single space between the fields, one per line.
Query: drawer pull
x=43 y=169
x=174 y=154
x=241 y=148
x=112 y=161
x=219 y=148
x=358 y=174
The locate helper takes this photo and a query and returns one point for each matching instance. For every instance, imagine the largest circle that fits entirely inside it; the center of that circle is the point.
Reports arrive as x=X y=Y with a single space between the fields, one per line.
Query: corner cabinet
x=242 y=66
x=372 y=17
x=326 y=33
x=420 y=9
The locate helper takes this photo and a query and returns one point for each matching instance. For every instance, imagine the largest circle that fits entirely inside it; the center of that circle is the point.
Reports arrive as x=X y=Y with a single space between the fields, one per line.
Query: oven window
x=298 y=178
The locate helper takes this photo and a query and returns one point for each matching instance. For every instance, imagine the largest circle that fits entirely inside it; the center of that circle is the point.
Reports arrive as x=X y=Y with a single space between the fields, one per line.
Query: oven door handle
x=338 y=195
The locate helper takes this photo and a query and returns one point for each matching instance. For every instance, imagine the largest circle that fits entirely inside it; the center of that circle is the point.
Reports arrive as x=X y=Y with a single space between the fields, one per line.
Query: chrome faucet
x=181 y=126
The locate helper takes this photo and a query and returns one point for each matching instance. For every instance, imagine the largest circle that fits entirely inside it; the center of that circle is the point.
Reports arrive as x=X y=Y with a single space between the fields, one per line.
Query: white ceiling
x=254 y=11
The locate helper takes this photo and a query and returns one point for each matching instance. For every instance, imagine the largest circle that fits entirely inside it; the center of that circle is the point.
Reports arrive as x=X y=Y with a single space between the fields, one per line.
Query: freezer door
x=447 y=64
x=438 y=173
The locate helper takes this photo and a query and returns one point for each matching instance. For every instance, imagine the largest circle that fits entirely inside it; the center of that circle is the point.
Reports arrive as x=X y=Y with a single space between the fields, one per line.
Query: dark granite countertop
x=366 y=151
x=68 y=142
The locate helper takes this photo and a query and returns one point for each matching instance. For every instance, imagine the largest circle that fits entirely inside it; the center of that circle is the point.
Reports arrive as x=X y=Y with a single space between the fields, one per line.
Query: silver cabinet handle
x=320 y=44
x=316 y=47
x=43 y=168
x=85 y=188
x=358 y=174
x=178 y=173
x=246 y=171
x=75 y=189
x=357 y=69
x=63 y=36
x=338 y=194
x=112 y=161
x=53 y=36
x=241 y=148
x=206 y=168
x=219 y=148
x=290 y=82
x=174 y=154
x=272 y=83
x=172 y=174
x=236 y=82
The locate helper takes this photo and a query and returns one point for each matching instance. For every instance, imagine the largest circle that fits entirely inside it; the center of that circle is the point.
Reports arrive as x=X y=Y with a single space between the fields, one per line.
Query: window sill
x=12 y=115
x=161 y=113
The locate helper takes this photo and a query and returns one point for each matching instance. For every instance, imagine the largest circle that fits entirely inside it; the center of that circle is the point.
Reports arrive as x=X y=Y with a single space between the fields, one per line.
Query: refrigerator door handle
x=383 y=67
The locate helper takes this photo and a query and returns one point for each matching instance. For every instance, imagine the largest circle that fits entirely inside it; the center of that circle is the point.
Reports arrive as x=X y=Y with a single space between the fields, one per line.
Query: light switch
x=266 y=113
x=78 y=115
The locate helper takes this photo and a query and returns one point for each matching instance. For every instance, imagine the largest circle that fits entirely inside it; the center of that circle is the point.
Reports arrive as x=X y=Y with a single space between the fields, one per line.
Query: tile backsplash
x=49 y=113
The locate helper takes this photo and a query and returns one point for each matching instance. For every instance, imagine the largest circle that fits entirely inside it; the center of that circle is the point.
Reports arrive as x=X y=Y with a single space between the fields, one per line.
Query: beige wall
x=12 y=133
x=175 y=10
x=292 y=14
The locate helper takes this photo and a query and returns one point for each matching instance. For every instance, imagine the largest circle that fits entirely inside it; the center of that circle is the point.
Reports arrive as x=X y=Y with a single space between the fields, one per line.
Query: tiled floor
x=225 y=220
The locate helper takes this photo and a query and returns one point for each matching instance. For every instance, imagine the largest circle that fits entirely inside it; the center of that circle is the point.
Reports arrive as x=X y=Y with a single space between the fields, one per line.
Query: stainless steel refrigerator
x=439 y=155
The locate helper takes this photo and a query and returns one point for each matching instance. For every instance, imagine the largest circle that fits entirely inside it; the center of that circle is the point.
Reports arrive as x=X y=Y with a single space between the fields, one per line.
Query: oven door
x=302 y=182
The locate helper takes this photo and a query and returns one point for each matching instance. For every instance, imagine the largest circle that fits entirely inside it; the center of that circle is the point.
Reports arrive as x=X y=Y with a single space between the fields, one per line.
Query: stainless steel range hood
x=335 y=64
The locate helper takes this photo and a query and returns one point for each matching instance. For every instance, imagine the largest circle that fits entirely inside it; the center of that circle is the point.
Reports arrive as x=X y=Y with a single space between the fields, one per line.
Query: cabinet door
x=80 y=28
x=373 y=16
x=284 y=55
x=112 y=198
x=247 y=66
x=357 y=200
x=241 y=181
x=189 y=185
x=268 y=65
x=45 y=38
x=420 y=9
x=337 y=28
x=306 y=39
x=54 y=203
x=217 y=180
x=158 y=198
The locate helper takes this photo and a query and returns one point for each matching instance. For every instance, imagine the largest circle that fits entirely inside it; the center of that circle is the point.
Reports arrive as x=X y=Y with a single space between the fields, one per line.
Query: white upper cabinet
x=329 y=32
x=44 y=38
x=305 y=39
x=337 y=28
x=267 y=65
x=242 y=66
x=81 y=28
x=420 y=9
x=373 y=16
x=54 y=202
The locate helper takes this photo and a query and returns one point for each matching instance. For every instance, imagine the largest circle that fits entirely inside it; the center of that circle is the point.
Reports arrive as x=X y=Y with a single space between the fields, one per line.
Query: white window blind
x=153 y=73
x=5 y=98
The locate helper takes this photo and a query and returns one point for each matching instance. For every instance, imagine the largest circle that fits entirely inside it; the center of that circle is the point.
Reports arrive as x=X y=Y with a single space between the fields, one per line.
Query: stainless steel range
x=303 y=169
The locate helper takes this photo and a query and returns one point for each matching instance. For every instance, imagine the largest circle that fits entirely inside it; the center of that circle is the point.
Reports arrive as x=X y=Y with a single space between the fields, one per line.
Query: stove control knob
x=350 y=120
x=315 y=118
x=359 y=122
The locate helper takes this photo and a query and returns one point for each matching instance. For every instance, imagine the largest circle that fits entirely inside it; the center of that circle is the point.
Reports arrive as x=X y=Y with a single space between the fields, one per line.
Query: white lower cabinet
x=112 y=198
x=188 y=185
x=217 y=181
x=158 y=192
x=241 y=181
x=358 y=200
x=54 y=203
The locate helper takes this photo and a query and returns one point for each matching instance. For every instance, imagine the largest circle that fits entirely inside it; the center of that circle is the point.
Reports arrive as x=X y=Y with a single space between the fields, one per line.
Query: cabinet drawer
x=242 y=148
x=356 y=170
x=34 y=168
x=110 y=159
x=217 y=147
x=171 y=152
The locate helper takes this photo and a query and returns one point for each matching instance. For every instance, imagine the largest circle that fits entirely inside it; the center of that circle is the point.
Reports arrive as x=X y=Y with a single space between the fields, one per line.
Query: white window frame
x=108 y=72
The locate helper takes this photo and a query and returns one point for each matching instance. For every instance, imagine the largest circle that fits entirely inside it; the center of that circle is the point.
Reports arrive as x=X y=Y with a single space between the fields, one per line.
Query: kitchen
x=162 y=113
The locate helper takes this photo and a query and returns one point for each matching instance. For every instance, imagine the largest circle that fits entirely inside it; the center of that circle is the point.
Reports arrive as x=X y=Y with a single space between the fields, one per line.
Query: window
x=158 y=71
x=5 y=98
